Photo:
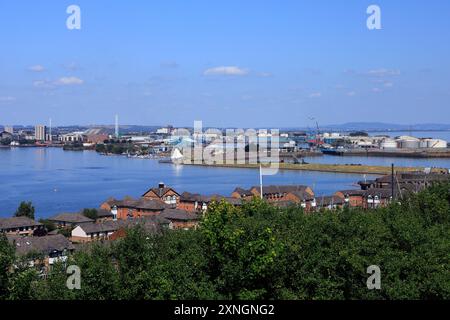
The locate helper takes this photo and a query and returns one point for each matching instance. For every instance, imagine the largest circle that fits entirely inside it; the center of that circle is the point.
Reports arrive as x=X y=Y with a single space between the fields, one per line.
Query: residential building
x=40 y=132
x=374 y=198
x=181 y=219
x=69 y=220
x=105 y=215
x=48 y=249
x=280 y=193
x=112 y=230
x=199 y=203
x=166 y=194
x=134 y=208
x=87 y=232
x=73 y=137
x=352 y=198
x=330 y=202
x=22 y=226
x=9 y=129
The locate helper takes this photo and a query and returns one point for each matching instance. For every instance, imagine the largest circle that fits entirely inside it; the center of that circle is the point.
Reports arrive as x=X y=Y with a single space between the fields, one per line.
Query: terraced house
x=42 y=252
x=22 y=226
x=195 y=202
x=165 y=194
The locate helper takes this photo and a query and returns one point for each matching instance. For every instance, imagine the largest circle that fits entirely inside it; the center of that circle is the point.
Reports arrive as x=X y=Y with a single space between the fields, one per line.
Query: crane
x=317 y=130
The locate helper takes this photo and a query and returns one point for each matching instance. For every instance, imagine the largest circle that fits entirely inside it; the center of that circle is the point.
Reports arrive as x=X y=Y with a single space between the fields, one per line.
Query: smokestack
x=117 y=126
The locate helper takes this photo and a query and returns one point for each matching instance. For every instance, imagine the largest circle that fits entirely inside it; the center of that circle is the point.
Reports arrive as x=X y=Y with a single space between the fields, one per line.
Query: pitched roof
x=191 y=197
x=329 y=200
x=280 y=189
x=356 y=192
x=70 y=218
x=160 y=192
x=383 y=193
x=302 y=195
x=17 y=222
x=181 y=215
x=152 y=223
x=243 y=192
x=45 y=245
x=413 y=176
x=195 y=197
x=142 y=203
x=104 y=213
x=107 y=226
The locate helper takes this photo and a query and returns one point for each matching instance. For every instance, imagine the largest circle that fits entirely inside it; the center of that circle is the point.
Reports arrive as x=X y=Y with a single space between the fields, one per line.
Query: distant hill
x=380 y=126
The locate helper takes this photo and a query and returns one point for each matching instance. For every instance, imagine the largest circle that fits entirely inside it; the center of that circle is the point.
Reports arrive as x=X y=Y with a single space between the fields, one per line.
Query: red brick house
x=181 y=219
x=165 y=194
x=376 y=197
x=134 y=208
x=354 y=198
x=279 y=193
x=199 y=203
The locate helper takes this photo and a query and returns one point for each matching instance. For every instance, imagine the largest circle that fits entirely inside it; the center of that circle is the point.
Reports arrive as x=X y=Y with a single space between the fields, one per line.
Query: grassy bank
x=336 y=168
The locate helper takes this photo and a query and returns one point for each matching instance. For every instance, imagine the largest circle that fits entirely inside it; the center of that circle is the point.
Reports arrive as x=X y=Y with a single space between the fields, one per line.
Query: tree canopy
x=258 y=251
x=25 y=209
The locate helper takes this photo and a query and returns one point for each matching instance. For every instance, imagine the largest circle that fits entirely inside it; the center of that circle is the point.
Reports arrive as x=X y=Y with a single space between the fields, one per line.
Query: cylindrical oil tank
x=424 y=143
x=388 y=144
x=409 y=143
x=437 y=143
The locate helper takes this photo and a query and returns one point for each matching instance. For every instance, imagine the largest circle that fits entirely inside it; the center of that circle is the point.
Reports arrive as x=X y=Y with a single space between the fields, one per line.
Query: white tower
x=50 y=130
x=117 y=126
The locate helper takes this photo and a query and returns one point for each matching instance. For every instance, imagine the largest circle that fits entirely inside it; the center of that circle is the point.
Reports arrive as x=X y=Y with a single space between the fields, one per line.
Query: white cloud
x=37 y=68
x=64 y=81
x=68 y=81
x=376 y=90
x=265 y=74
x=72 y=66
x=315 y=95
x=43 y=84
x=383 y=72
x=7 y=99
x=351 y=93
x=169 y=64
x=227 y=71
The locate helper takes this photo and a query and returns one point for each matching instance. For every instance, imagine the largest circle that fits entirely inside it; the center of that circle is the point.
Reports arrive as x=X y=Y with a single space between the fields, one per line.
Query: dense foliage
x=25 y=209
x=261 y=252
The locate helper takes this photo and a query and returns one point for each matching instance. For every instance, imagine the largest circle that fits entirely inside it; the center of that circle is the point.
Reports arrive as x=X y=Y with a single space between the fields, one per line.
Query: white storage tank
x=388 y=144
x=437 y=143
x=424 y=143
x=406 y=142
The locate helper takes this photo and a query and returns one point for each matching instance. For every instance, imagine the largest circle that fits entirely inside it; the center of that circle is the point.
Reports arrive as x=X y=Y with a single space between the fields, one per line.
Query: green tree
x=25 y=209
x=6 y=262
x=90 y=213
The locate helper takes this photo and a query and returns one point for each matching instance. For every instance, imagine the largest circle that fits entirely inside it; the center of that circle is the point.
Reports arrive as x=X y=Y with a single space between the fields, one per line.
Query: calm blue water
x=57 y=181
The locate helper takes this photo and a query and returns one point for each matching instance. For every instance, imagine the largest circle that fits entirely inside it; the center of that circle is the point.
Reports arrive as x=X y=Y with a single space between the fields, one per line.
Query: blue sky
x=229 y=63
